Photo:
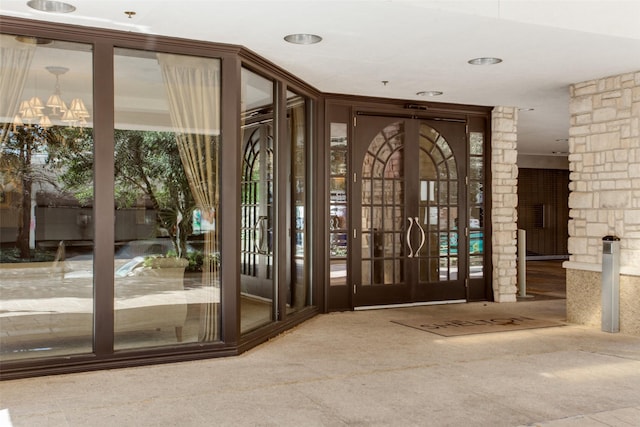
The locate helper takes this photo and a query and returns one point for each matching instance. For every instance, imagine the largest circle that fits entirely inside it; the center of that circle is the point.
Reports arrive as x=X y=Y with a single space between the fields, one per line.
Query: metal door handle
x=259 y=234
x=423 y=236
x=409 y=237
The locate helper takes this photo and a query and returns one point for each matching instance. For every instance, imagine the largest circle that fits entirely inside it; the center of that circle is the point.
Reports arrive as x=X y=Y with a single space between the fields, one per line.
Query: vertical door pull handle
x=423 y=236
x=409 y=237
x=260 y=233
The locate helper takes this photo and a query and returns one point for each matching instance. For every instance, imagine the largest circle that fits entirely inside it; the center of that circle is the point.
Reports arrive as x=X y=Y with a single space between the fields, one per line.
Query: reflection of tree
x=19 y=172
x=148 y=171
x=148 y=164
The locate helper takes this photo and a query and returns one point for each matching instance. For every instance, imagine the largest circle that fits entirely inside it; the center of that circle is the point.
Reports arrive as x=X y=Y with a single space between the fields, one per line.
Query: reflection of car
x=136 y=248
x=130 y=268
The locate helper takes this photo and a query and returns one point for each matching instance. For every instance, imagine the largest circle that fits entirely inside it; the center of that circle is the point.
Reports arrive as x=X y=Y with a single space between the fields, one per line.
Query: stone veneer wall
x=604 y=160
x=504 y=189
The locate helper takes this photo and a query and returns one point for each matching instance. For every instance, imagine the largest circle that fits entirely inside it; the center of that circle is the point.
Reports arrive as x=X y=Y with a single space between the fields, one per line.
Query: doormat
x=483 y=324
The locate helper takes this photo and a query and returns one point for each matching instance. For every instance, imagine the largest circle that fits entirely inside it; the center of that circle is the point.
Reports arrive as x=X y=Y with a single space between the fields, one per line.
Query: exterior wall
x=604 y=161
x=504 y=189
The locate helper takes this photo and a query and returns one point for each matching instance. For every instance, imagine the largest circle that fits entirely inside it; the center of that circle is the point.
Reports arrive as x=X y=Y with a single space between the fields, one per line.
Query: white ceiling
x=414 y=45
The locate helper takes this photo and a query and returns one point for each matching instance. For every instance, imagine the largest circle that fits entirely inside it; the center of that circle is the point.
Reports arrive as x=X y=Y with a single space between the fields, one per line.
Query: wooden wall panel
x=543 y=210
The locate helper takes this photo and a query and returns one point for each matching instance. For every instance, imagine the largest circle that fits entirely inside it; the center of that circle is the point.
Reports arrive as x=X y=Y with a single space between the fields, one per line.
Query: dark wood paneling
x=543 y=210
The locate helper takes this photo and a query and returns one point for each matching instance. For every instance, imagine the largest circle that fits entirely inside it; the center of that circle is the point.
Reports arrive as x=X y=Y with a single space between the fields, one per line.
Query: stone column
x=604 y=160
x=504 y=214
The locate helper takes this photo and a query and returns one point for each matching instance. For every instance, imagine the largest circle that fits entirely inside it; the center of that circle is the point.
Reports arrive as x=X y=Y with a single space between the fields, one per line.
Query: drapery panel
x=15 y=62
x=193 y=92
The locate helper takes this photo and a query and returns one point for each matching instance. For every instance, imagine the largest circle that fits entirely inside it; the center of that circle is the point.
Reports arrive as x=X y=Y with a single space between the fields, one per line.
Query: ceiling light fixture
x=33 y=111
x=51 y=6
x=429 y=93
x=484 y=61
x=303 y=38
x=129 y=13
x=33 y=40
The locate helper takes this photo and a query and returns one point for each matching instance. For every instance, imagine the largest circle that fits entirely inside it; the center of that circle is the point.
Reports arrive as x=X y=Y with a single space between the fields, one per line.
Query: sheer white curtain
x=15 y=61
x=193 y=91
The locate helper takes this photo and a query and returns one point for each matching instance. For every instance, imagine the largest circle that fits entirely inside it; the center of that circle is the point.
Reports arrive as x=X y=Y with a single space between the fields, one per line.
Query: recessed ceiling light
x=429 y=93
x=303 y=38
x=484 y=61
x=51 y=6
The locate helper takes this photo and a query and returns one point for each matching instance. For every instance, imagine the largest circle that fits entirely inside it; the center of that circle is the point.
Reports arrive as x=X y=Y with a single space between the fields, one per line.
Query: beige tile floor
x=364 y=369
x=361 y=368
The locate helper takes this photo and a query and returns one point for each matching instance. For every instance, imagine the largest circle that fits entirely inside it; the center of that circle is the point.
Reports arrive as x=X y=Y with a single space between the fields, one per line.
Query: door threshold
x=409 y=304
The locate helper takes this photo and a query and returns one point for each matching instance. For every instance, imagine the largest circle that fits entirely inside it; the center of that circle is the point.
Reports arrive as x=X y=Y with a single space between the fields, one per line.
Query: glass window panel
x=475 y=219
x=393 y=130
x=388 y=218
x=338 y=217
x=338 y=135
x=366 y=273
x=398 y=271
x=378 y=169
x=338 y=162
x=338 y=273
x=338 y=189
x=377 y=218
x=257 y=286
x=444 y=146
x=384 y=153
x=476 y=242
x=453 y=193
x=475 y=192
x=476 y=266
x=338 y=245
x=396 y=141
x=395 y=168
x=389 y=272
x=366 y=245
x=367 y=165
x=378 y=195
x=476 y=143
x=366 y=191
x=444 y=269
x=298 y=292
x=443 y=194
x=398 y=217
x=376 y=143
x=437 y=156
x=167 y=257
x=476 y=167
x=453 y=171
x=378 y=272
x=46 y=200
x=428 y=132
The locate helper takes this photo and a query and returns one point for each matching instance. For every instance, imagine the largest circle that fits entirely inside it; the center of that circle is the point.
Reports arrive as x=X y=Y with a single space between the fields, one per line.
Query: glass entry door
x=257 y=270
x=409 y=188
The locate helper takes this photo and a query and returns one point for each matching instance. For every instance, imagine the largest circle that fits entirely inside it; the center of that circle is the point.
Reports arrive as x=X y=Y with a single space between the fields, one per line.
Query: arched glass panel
x=383 y=208
x=438 y=207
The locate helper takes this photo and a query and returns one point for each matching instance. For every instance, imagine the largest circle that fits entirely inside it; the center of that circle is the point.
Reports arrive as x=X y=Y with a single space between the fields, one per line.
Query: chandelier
x=34 y=111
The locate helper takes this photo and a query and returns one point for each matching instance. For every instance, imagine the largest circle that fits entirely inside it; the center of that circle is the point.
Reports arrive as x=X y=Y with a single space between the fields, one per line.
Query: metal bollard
x=522 y=264
x=611 y=284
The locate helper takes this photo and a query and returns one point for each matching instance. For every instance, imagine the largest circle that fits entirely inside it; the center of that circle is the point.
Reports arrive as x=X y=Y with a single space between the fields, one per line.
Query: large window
x=46 y=198
x=167 y=137
x=115 y=247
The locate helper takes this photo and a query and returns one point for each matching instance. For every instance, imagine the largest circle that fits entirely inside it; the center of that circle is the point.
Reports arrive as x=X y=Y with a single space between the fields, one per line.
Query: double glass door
x=409 y=211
